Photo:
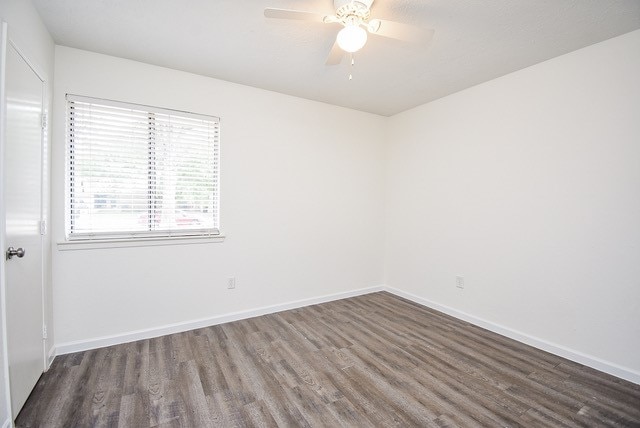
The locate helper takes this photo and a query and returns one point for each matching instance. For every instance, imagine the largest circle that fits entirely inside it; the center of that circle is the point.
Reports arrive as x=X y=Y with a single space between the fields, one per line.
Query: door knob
x=13 y=252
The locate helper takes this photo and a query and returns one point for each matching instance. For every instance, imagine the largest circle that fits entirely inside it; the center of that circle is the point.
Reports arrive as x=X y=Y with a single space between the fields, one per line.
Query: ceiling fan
x=354 y=16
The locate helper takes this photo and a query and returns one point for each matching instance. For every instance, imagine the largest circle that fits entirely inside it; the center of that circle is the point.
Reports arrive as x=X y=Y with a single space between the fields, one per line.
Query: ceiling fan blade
x=398 y=31
x=335 y=55
x=270 y=12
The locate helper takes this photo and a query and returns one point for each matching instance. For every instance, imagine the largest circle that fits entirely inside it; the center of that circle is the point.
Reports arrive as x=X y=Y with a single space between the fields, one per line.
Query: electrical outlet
x=460 y=282
x=231 y=282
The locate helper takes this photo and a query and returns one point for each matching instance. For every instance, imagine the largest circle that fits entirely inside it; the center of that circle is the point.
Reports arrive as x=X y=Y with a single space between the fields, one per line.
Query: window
x=136 y=171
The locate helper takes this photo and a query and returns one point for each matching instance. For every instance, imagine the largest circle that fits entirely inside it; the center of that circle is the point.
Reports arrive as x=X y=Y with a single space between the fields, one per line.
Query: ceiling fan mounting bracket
x=337 y=4
x=353 y=10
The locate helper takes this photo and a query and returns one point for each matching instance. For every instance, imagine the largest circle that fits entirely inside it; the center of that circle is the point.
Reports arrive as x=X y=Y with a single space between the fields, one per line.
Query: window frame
x=125 y=238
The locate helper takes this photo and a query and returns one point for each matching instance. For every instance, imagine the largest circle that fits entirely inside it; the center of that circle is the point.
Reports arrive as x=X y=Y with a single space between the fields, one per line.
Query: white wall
x=529 y=187
x=301 y=206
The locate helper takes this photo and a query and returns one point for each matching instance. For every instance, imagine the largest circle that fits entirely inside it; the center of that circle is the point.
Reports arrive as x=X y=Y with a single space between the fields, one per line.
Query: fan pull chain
x=352 y=64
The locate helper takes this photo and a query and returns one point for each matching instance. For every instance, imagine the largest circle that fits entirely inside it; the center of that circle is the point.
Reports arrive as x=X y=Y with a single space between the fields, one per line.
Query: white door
x=22 y=169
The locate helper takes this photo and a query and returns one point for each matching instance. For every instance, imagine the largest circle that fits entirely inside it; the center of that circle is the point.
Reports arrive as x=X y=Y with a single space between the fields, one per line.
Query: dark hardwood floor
x=373 y=360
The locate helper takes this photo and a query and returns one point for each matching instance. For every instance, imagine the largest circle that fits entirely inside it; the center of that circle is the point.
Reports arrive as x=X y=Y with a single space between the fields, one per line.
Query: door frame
x=5 y=42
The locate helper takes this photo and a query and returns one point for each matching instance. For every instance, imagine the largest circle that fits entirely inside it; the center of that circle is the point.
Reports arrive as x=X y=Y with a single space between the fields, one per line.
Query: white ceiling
x=474 y=41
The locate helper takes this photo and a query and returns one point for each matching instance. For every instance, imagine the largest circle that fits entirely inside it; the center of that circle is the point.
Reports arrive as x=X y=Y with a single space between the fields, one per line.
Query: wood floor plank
x=376 y=360
x=257 y=414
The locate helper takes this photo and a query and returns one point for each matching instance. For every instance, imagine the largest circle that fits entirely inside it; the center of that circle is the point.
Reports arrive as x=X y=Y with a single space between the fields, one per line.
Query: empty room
x=320 y=213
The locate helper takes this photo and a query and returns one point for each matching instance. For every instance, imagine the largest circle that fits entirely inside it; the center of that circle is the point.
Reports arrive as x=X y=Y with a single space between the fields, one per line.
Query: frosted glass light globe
x=351 y=38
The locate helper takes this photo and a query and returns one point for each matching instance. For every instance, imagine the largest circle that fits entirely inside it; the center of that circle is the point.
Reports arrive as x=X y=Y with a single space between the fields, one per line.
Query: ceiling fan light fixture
x=352 y=38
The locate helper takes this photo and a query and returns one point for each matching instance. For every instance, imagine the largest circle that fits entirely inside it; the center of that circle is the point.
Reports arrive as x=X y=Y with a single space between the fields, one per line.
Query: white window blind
x=139 y=171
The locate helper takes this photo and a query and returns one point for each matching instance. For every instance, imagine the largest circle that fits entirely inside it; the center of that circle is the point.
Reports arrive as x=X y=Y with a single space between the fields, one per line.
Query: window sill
x=95 y=244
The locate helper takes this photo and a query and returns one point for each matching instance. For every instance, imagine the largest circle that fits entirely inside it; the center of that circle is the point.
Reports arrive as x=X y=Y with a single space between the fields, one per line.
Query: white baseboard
x=50 y=356
x=553 y=348
x=562 y=351
x=7 y=423
x=84 y=345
